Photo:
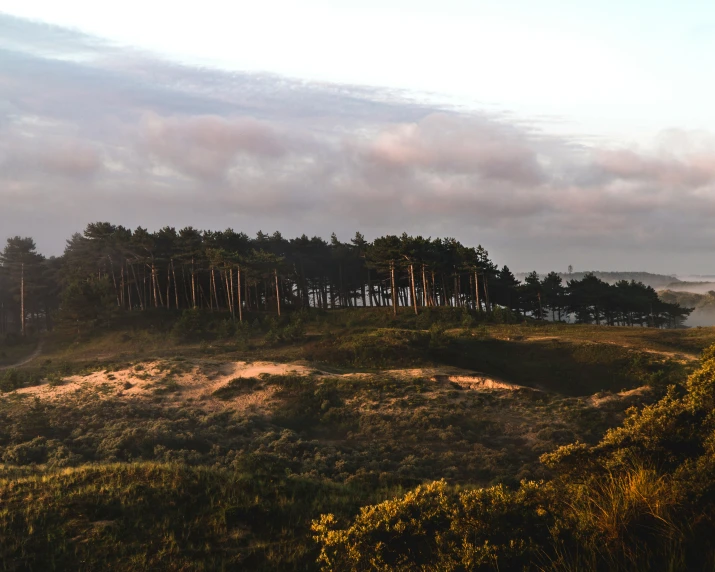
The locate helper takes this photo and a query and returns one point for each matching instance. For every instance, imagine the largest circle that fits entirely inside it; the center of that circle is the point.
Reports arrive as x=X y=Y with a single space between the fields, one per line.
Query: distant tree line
x=112 y=269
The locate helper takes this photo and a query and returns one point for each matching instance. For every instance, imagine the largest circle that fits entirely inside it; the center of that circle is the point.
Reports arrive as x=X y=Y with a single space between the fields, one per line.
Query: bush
x=437 y=528
x=191 y=325
x=641 y=499
x=12 y=379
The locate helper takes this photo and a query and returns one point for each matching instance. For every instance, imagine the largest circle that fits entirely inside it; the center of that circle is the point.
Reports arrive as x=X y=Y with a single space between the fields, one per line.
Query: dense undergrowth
x=643 y=498
x=150 y=516
x=378 y=429
x=93 y=480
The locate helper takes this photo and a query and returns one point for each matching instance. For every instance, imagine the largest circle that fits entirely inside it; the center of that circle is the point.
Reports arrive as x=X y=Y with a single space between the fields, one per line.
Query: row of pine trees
x=229 y=271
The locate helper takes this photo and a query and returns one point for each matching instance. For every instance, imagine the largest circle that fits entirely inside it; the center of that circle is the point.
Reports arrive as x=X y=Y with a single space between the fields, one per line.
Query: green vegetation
x=110 y=271
x=145 y=447
x=15 y=349
x=206 y=401
x=150 y=516
x=648 y=278
x=643 y=498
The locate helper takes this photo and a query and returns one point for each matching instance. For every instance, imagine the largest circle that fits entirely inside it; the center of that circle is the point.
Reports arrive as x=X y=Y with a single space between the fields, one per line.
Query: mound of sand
x=479 y=382
x=181 y=383
x=599 y=401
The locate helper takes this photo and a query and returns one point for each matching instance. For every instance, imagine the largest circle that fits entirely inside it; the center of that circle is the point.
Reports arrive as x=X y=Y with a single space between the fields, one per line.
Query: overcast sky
x=550 y=133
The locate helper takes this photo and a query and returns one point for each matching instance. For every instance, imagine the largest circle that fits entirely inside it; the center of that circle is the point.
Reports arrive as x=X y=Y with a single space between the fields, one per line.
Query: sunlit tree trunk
x=425 y=288
x=477 y=302
x=487 y=304
x=414 y=290
x=193 y=283
x=278 y=294
x=142 y=306
x=394 y=290
x=22 y=298
x=213 y=286
x=176 y=285
x=114 y=281
x=231 y=295
x=121 y=281
x=168 y=287
x=238 y=290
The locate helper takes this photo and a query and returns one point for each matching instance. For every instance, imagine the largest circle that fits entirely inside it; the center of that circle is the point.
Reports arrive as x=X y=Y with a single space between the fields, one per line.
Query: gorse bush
x=437 y=528
x=643 y=498
x=12 y=379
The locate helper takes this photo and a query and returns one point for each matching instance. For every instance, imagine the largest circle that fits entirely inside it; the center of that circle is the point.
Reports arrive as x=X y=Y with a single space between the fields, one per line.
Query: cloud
x=689 y=172
x=24 y=155
x=449 y=143
x=93 y=131
x=205 y=146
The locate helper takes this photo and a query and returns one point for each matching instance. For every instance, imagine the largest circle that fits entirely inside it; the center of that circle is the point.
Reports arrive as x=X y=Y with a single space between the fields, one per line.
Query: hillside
x=251 y=434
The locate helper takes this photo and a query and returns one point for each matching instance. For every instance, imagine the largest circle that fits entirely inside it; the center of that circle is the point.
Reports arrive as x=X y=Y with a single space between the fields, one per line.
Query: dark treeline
x=113 y=268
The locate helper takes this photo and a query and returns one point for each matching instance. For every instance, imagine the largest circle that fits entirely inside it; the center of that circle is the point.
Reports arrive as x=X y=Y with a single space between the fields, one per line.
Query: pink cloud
x=457 y=144
x=62 y=155
x=206 y=146
x=690 y=171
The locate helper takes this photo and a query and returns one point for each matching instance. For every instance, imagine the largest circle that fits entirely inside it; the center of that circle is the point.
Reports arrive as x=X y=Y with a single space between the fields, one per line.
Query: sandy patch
x=189 y=382
x=181 y=383
x=257 y=368
x=465 y=378
x=479 y=382
x=596 y=401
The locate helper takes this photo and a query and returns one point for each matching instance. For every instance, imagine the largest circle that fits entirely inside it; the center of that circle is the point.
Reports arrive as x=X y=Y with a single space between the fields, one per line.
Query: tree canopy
x=109 y=269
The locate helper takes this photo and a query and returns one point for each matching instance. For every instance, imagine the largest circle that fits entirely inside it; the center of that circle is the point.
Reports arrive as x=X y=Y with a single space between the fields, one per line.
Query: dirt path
x=27 y=360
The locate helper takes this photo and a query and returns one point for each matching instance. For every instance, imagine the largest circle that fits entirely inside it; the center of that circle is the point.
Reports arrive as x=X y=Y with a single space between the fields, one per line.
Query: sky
x=551 y=133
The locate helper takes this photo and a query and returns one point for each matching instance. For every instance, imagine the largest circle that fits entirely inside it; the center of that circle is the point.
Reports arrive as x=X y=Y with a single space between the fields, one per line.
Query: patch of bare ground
x=465 y=378
x=176 y=384
x=599 y=400
x=481 y=382
x=183 y=383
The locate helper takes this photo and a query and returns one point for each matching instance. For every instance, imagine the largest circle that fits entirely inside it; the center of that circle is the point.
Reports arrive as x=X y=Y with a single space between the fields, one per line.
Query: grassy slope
x=246 y=486
x=151 y=516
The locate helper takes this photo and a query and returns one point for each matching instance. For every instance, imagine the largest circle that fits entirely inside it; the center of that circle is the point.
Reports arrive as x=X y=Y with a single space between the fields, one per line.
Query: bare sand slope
x=199 y=380
x=193 y=382
x=597 y=401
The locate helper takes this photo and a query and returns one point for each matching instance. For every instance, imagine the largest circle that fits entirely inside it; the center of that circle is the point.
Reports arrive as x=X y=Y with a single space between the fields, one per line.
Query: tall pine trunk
x=176 y=285
x=238 y=290
x=392 y=285
x=476 y=291
x=22 y=298
x=414 y=290
x=278 y=294
x=193 y=283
